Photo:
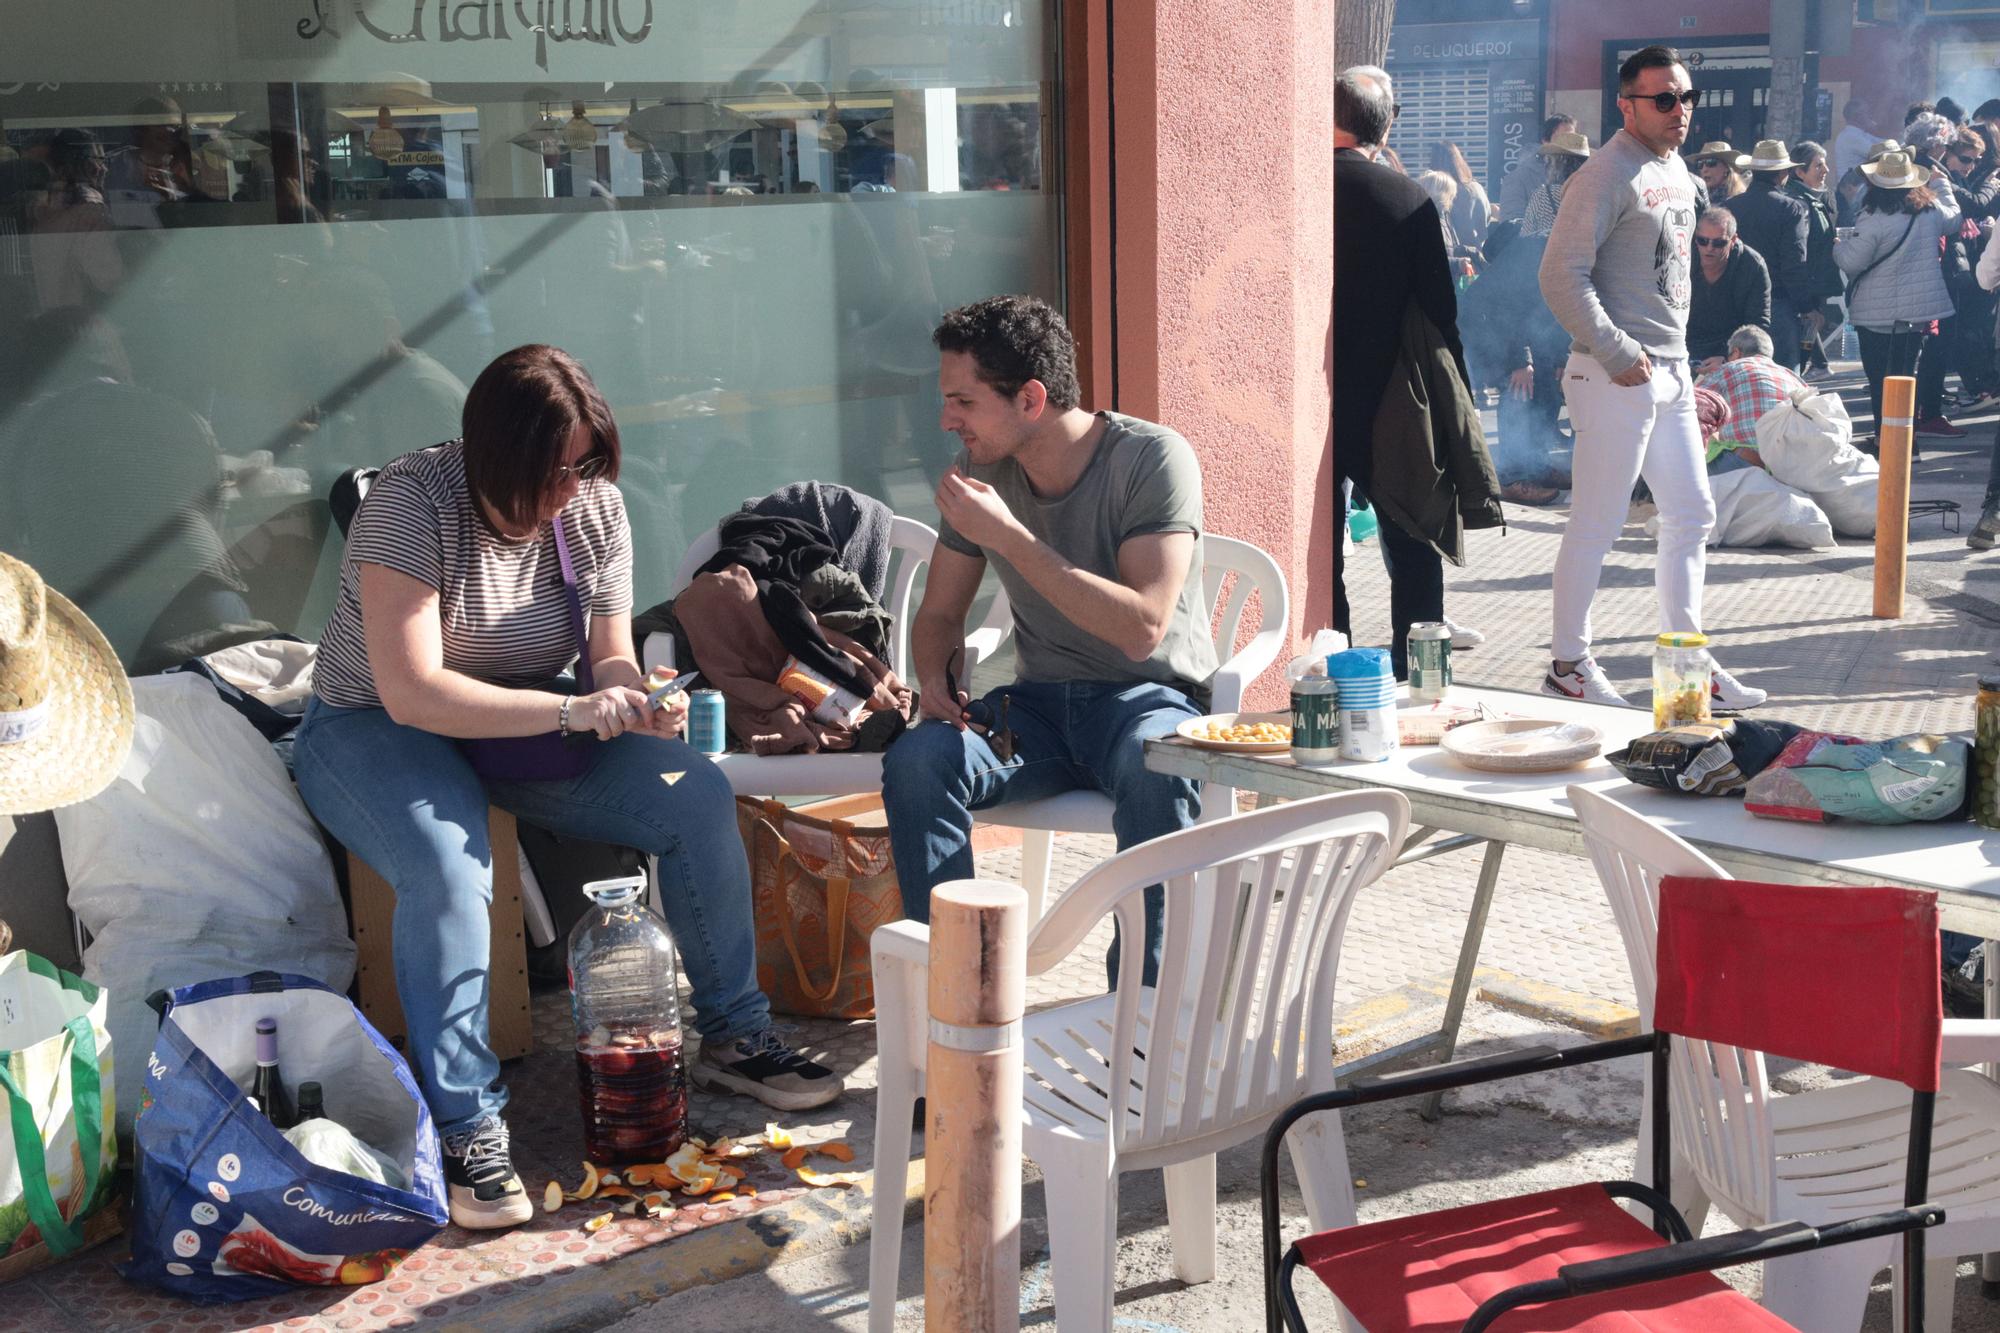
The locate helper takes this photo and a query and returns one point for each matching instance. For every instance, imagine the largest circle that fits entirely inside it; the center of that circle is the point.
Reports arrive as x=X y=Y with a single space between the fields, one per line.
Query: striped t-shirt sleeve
x=612 y=594
x=399 y=526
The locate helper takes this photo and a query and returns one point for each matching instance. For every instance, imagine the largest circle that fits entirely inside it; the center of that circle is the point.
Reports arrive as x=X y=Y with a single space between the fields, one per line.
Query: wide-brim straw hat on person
x=65 y=704
x=1880 y=147
x=1895 y=171
x=1717 y=148
x=1566 y=143
x=1771 y=155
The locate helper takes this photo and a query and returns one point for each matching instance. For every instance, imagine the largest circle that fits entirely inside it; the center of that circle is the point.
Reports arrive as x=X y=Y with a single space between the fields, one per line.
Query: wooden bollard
x=972 y=1117
x=1892 y=494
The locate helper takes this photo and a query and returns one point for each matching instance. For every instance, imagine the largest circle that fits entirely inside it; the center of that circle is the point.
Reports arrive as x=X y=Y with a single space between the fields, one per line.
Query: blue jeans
x=408 y=803
x=1083 y=735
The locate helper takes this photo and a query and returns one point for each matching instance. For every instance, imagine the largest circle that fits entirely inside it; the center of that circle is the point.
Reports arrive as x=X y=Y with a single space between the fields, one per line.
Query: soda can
x=706 y=731
x=1430 y=661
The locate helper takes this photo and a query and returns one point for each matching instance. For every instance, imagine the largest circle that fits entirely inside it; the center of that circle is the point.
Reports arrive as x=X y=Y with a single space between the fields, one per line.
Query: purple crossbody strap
x=583 y=677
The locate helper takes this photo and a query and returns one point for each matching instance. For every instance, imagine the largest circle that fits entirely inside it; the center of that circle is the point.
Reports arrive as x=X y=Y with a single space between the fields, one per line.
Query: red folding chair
x=1840 y=977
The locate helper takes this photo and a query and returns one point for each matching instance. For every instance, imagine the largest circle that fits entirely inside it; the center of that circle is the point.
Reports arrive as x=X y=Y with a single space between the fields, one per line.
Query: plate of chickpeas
x=1252 y=733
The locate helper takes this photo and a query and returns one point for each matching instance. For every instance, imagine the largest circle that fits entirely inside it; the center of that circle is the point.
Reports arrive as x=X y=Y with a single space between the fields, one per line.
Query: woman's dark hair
x=1446 y=157
x=1915 y=109
x=1562 y=166
x=517 y=421
x=1014 y=339
x=1806 y=152
x=1880 y=200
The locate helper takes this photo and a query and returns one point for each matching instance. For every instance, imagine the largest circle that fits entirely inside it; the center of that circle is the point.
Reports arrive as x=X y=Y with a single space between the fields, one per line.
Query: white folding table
x=1453 y=806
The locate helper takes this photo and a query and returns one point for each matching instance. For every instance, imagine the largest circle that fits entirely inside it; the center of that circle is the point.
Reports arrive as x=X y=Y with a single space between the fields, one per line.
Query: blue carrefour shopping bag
x=224 y=1208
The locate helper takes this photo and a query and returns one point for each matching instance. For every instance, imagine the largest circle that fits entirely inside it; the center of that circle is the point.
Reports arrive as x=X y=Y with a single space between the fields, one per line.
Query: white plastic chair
x=1160 y=1077
x=911 y=544
x=1824 y=1155
x=1090 y=811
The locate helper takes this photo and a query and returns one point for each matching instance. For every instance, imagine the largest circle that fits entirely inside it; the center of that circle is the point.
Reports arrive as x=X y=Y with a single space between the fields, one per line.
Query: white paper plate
x=1523 y=745
x=1190 y=731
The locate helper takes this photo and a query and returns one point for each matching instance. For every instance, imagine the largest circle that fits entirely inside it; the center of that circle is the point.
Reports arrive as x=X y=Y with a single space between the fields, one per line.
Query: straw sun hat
x=65 y=704
x=1771 y=155
x=1566 y=143
x=1722 y=152
x=1894 y=171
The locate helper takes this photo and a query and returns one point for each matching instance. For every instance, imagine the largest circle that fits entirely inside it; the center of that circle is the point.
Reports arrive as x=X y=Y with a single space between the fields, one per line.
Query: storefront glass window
x=247 y=246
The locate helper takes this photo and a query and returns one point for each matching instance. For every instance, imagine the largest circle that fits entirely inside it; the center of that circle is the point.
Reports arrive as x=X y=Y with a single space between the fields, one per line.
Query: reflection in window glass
x=225 y=279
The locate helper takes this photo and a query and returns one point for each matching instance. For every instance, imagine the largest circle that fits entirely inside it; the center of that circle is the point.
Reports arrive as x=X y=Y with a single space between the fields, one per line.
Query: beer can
x=1430 y=661
x=1315 y=720
x=706 y=731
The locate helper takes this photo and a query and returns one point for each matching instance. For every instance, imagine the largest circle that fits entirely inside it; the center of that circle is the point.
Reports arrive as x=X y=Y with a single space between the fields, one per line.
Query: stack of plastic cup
x=1367 y=686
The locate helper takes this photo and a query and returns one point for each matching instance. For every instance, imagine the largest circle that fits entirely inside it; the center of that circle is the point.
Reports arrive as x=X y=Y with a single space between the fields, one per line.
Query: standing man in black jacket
x=1777 y=225
x=1388 y=248
x=1810 y=186
x=1729 y=287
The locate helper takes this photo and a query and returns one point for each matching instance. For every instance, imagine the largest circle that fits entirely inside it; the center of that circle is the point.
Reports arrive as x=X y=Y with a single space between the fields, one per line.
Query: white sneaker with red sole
x=1585 y=683
x=1727 y=694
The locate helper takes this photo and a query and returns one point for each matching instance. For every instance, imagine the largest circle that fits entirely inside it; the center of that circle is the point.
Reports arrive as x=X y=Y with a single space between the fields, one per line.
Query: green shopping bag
x=58 y=1148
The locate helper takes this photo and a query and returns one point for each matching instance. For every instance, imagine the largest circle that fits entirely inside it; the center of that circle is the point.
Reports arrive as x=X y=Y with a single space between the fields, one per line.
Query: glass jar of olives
x=1986 y=751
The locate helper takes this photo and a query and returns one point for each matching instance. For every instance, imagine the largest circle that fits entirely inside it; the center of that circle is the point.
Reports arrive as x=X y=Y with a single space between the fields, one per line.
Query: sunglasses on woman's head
x=1664 y=102
x=588 y=469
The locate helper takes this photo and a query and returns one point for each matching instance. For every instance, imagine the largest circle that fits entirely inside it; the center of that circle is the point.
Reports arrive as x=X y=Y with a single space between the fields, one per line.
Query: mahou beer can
x=1315 y=718
x=706 y=731
x=1430 y=661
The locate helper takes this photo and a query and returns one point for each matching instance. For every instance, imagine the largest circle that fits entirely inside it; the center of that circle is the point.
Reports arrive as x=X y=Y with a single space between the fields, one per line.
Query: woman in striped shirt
x=454 y=625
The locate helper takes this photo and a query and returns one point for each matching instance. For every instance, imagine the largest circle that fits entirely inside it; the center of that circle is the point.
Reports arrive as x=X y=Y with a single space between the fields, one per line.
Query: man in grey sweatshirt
x=1615 y=275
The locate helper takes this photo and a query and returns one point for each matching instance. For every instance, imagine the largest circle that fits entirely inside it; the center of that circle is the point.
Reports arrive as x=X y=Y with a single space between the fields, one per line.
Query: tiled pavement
x=1795 y=623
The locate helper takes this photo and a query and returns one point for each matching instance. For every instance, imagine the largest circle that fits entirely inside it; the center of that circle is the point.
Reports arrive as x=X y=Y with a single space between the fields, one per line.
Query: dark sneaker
x=762 y=1066
x=1986 y=533
x=479 y=1178
x=1940 y=427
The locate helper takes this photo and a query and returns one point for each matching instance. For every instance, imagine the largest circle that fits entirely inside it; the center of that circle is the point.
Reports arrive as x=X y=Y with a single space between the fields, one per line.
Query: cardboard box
x=510 y=1025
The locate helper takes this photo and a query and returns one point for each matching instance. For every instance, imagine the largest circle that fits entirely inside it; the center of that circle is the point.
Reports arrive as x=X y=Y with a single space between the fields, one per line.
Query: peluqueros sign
x=607 y=23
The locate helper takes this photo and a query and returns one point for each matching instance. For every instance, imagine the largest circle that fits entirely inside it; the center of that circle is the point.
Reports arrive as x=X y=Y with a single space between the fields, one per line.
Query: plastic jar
x=631 y=1084
x=1986 y=752
x=1681 y=679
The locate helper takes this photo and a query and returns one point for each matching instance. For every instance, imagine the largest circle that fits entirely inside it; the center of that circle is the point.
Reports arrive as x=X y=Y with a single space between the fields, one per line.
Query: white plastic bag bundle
x=198 y=861
x=1753 y=508
x=1808 y=443
x=330 y=1144
x=1325 y=643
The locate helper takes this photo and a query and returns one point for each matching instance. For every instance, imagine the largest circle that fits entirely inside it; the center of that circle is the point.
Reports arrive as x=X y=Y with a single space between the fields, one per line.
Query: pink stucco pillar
x=1221 y=136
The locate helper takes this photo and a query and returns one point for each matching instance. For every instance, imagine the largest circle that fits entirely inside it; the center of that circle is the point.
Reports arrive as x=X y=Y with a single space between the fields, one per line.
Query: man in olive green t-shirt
x=1092 y=521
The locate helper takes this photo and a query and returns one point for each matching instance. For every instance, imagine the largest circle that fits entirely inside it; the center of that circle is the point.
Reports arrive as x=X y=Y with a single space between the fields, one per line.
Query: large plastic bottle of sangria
x=631 y=1084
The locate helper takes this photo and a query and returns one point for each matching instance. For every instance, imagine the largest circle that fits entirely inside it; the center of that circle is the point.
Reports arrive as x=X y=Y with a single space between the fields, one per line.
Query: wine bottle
x=268 y=1087
x=312 y=1105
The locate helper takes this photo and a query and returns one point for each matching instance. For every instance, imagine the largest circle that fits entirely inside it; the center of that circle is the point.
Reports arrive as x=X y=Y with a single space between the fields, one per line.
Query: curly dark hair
x=1014 y=339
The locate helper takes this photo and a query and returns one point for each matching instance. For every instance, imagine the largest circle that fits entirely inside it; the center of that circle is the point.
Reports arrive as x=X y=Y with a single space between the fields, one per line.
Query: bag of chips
x=1703 y=758
x=1901 y=781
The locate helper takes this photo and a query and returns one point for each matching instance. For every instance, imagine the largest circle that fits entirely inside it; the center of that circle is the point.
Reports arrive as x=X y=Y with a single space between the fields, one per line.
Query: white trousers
x=1623 y=434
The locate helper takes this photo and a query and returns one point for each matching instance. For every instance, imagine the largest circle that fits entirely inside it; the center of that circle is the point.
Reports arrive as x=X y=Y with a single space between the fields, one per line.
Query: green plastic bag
x=58 y=1147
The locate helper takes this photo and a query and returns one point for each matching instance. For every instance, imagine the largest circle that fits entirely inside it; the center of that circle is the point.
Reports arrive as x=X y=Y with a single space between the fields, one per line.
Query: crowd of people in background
x=1879 y=235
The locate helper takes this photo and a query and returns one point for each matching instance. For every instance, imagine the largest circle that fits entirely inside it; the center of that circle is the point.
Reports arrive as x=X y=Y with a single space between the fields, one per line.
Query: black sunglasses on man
x=1664 y=102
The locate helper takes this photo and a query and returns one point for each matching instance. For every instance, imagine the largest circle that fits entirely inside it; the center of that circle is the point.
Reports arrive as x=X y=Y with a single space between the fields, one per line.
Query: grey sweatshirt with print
x=1615 y=273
